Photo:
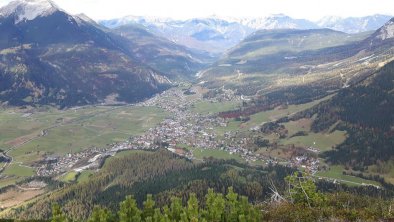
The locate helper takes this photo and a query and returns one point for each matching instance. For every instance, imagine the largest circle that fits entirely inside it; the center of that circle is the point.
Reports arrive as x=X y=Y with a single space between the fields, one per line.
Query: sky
x=184 y=9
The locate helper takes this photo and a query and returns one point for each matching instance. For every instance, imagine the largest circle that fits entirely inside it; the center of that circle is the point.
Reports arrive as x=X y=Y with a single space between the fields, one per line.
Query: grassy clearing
x=12 y=197
x=299 y=125
x=84 y=176
x=9 y=181
x=129 y=153
x=322 y=141
x=267 y=116
x=335 y=172
x=214 y=153
x=69 y=177
x=275 y=114
x=123 y=154
x=207 y=107
x=19 y=171
x=384 y=169
x=80 y=129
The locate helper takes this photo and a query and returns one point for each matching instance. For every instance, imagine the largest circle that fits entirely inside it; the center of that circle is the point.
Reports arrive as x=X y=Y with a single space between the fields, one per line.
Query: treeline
x=247 y=111
x=366 y=112
x=282 y=97
x=107 y=187
x=160 y=173
x=301 y=201
x=167 y=176
x=363 y=147
x=216 y=207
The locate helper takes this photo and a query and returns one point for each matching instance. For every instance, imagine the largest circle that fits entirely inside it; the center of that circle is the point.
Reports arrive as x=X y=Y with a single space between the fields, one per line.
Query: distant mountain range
x=270 y=60
x=211 y=34
x=217 y=34
x=48 y=56
x=354 y=24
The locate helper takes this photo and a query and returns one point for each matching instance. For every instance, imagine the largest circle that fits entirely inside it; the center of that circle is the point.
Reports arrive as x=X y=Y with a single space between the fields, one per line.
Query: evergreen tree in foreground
x=217 y=208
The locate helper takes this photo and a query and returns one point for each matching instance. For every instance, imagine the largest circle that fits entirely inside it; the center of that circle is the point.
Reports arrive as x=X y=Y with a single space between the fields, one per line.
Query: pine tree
x=101 y=215
x=192 y=207
x=149 y=207
x=129 y=211
x=232 y=206
x=57 y=214
x=215 y=205
x=176 y=209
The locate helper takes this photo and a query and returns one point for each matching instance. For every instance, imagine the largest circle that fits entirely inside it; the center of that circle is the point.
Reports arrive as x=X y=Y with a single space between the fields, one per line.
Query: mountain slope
x=212 y=35
x=51 y=57
x=266 y=42
x=276 y=59
x=366 y=112
x=217 y=34
x=173 y=60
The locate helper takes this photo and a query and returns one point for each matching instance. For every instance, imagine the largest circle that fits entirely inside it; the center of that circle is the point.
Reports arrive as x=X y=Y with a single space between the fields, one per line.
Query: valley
x=141 y=118
x=46 y=133
x=68 y=145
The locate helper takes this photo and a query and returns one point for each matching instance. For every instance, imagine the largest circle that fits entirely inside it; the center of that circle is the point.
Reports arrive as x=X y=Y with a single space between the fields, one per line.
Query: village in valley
x=184 y=132
x=182 y=120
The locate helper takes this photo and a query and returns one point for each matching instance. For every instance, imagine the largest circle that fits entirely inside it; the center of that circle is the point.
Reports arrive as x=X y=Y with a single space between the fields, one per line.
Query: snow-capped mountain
x=143 y=20
x=217 y=34
x=386 y=32
x=210 y=34
x=276 y=21
x=26 y=10
x=214 y=34
x=52 y=57
x=354 y=24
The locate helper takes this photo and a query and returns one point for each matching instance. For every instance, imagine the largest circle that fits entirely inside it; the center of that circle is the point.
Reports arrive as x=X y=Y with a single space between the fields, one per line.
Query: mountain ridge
x=54 y=58
x=217 y=34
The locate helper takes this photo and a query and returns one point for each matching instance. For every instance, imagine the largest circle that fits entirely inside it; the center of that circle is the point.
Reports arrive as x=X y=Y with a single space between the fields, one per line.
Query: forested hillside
x=366 y=112
x=174 y=181
x=160 y=173
x=300 y=201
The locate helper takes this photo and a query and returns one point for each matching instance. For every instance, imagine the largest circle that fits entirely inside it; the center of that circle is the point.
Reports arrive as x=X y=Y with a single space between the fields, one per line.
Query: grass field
x=266 y=116
x=76 y=129
x=19 y=171
x=335 y=172
x=84 y=176
x=67 y=131
x=69 y=177
x=322 y=141
x=218 y=154
x=299 y=125
x=9 y=181
x=15 y=173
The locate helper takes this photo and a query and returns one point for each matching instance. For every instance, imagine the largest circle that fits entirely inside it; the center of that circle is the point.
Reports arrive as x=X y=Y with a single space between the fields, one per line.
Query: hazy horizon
x=182 y=9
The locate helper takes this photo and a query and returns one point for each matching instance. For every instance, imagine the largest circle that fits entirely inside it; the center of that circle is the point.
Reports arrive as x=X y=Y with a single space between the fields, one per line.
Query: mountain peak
x=24 y=10
x=387 y=31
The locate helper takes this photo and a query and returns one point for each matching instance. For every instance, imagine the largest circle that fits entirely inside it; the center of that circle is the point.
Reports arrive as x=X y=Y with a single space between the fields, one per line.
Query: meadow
x=336 y=172
x=28 y=135
x=266 y=116
x=200 y=154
